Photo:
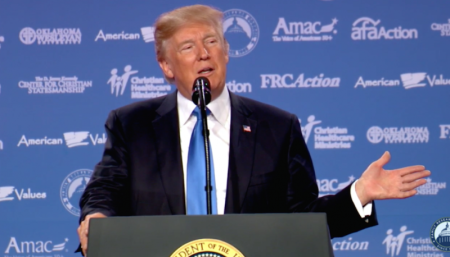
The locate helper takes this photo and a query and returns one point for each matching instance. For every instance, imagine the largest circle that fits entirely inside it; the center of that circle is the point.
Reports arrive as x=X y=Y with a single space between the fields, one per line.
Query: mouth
x=206 y=71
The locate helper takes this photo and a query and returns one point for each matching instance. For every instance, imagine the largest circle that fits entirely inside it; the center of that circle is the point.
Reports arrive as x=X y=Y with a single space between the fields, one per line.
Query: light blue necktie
x=196 y=172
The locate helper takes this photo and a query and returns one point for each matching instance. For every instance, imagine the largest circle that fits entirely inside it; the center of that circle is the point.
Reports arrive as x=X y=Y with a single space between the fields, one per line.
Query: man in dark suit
x=260 y=160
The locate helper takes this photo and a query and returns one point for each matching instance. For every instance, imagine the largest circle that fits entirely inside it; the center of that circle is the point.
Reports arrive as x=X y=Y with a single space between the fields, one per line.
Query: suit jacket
x=270 y=169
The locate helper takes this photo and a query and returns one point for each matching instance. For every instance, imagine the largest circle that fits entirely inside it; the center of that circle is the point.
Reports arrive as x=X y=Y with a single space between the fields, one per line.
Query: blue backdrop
x=362 y=76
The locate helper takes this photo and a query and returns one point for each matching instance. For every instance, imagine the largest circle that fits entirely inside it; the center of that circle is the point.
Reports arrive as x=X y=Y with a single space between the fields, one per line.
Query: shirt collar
x=220 y=107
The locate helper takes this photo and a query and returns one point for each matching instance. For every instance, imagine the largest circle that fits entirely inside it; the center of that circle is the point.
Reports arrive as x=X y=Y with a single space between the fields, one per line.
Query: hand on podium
x=83 y=230
x=377 y=183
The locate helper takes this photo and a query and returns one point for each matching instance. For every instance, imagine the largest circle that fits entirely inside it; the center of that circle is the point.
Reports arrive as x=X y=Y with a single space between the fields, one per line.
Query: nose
x=204 y=54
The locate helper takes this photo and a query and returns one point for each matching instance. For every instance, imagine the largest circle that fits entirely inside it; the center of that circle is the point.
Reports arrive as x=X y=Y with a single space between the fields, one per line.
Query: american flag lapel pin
x=246 y=128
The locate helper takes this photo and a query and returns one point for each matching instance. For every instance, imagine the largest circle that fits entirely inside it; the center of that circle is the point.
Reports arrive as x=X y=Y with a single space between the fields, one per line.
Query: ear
x=227 y=48
x=166 y=68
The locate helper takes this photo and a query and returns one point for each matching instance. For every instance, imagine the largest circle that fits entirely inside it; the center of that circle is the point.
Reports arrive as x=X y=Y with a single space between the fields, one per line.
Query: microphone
x=201 y=87
x=201 y=96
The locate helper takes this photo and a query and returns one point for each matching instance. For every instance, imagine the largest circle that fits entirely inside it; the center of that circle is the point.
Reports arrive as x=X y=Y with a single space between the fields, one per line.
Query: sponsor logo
x=72 y=188
x=148 y=34
x=116 y=36
x=47 y=36
x=349 y=245
x=7 y=193
x=366 y=28
x=445 y=131
x=326 y=137
x=239 y=87
x=440 y=234
x=2 y=39
x=415 y=247
x=1 y=145
x=207 y=248
x=56 y=85
x=444 y=28
x=26 y=247
x=141 y=87
x=303 y=31
x=74 y=139
x=39 y=141
x=332 y=186
x=409 y=80
x=395 y=135
x=241 y=30
x=287 y=81
x=431 y=188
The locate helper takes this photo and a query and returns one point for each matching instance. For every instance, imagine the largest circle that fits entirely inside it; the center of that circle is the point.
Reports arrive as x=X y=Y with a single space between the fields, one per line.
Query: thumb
x=384 y=159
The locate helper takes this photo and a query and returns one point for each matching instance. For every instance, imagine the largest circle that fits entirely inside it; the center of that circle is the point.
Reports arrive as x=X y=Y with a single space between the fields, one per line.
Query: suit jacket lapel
x=241 y=156
x=167 y=137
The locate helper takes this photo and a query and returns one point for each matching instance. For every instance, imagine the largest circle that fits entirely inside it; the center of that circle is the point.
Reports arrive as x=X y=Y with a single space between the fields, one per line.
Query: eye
x=211 y=41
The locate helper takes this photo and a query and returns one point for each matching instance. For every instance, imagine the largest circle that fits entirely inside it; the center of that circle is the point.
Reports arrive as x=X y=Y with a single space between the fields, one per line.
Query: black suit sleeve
x=342 y=216
x=107 y=188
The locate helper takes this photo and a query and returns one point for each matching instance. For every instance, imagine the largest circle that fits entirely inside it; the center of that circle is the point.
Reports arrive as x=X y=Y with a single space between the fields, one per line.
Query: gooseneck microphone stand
x=201 y=97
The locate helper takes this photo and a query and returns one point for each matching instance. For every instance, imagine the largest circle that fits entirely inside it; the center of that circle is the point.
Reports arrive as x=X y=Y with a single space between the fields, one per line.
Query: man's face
x=195 y=50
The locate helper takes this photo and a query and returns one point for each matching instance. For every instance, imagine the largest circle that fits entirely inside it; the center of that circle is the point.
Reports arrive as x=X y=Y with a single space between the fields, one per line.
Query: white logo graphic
x=39 y=141
x=395 y=135
x=303 y=31
x=431 y=188
x=72 y=188
x=327 y=137
x=2 y=39
x=350 y=245
x=394 y=243
x=74 y=139
x=241 y=30
x=237 y=87
x=444 y=28
x=332 y=186
x=119 y=83
x=22 y=194
x=366 y=28
x=46 y=36
x=1 y=145
x=412 y=80
x=116 y=36
x=445 y=131
x=141 y=87
x=34 y=246
x=5 y=193
x=287 y=81
x=148 y=33
x=56 y=85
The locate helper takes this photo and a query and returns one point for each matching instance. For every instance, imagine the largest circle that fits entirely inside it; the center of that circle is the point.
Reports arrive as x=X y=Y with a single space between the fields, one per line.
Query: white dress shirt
x=219 y=127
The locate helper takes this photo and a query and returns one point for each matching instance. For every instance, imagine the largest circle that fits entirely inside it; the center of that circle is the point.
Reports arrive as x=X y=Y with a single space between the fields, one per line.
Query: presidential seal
x=241 y=31
x=207 y=248
x=440 y=234
x=72 y=188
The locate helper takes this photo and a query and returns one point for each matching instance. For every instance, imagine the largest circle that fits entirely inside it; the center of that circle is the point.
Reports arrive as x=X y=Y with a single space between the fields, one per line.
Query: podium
x=233 y=235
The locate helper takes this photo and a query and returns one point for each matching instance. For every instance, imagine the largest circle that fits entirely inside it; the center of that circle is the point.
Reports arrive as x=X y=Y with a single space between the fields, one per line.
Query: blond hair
x=169 y=23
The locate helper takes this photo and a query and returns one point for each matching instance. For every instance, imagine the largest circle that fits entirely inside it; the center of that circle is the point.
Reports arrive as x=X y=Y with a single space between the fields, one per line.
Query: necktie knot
x=197 y=113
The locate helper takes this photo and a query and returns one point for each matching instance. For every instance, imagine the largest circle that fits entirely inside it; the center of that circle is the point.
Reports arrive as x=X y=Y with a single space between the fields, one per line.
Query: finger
x=384 y=159
x=415 y=176
x=413 y=185
x=407 y=170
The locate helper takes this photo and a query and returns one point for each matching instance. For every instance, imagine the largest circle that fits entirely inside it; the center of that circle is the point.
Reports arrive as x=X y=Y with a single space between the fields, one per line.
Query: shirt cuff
x=363 y=211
